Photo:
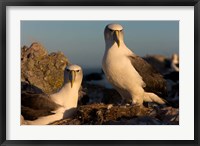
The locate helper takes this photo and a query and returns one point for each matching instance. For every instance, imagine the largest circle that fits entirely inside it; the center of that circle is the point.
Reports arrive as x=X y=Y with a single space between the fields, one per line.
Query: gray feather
x=36 y=105
x=153 y=79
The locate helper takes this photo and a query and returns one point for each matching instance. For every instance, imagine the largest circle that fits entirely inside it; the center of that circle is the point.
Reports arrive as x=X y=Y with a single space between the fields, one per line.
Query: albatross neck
x=67 y=96
x=111 y=44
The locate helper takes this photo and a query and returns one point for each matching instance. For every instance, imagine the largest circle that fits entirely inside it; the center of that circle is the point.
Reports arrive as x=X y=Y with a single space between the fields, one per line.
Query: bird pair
x=129 y=74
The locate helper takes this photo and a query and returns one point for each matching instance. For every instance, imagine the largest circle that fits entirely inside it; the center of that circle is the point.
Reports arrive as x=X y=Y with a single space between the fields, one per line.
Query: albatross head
x=73 y=75
x=113 y=33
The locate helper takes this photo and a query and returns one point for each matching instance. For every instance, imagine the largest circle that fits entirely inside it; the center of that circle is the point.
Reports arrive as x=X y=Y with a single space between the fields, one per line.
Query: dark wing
x=36 y=105
x=153 y=79
x=33 y=114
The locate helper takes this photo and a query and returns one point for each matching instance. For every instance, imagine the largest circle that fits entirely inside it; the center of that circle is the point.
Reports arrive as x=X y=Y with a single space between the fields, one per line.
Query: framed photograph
x=99 y=72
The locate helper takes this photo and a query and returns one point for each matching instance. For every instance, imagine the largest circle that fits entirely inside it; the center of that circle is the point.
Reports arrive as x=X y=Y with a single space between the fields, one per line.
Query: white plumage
x=61 y=104
x=129 y=74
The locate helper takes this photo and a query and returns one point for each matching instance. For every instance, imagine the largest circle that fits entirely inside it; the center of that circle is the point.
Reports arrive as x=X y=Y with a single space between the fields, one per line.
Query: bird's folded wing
x=153 y=79
x=33 y=114
x=36 y=105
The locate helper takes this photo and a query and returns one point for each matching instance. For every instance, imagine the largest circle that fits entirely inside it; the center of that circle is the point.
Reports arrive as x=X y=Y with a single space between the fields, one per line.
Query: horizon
x=82 y=42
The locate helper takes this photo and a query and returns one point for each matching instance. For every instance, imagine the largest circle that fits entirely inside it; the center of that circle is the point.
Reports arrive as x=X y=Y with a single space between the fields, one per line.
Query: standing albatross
x=129 y=74
x=41 y=109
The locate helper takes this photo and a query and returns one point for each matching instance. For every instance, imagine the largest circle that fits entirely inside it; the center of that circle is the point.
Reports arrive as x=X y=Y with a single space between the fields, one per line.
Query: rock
x=99 y=94
x=102 y=114
x=159 y=62
x=174 y=76
x=93 y=76
x=67 y=122
x=42 y=70
x=169 y=115
x=144 y=120
x=111 y=96
x=94 y=94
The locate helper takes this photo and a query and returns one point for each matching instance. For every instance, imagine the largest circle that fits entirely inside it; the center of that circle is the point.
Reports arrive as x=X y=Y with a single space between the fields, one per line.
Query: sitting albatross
x=41 y=109
x=129 y=74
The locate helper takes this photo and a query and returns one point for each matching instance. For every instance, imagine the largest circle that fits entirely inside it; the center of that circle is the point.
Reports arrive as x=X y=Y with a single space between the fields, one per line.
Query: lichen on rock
x=41 y=69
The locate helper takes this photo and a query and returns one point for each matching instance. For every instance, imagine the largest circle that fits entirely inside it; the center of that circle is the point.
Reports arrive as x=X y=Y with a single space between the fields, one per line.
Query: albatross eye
x=67 y=70
x=77 y=70
x=110 y=30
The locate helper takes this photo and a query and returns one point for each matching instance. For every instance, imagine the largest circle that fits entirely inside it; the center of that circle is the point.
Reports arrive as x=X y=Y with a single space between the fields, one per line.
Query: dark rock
x=94 y=93
x=174 y=76
x=159 y=62
x=111 y=96
x=93 y=76
x=99 y=94
x=67 y=122
x=101 y=114
x=144 y=120
x=169 y=115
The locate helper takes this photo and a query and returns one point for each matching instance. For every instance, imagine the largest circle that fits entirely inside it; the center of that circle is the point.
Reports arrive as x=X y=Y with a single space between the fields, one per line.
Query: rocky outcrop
x=107 y=114
x=159 y=62
x=42 y=70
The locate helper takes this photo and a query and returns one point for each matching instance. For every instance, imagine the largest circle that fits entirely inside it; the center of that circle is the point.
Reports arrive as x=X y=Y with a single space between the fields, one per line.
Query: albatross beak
x=72 y=77
x=116 y=33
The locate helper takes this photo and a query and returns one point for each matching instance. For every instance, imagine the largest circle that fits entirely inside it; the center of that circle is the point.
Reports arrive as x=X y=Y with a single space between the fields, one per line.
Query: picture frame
x=5 y=3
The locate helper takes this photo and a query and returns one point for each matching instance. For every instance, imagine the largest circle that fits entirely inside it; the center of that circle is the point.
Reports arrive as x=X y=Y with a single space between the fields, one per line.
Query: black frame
x=5 y=3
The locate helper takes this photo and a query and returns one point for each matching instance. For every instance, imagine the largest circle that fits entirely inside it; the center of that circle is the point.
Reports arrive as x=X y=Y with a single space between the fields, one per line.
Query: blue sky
x=83 y=41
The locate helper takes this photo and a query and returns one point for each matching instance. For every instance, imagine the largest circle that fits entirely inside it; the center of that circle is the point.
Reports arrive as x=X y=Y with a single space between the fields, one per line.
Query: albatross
x=42 y=109
x=129 y=74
